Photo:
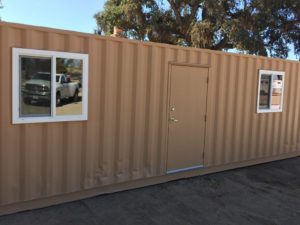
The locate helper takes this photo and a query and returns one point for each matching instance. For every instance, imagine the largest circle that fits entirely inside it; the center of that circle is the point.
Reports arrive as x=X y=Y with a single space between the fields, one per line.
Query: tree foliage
x=66 y=65
x=259 y=27
x=1 y=7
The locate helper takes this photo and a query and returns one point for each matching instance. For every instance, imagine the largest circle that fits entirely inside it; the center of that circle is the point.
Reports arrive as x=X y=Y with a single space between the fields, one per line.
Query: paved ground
x=70 y=108
x=41 y=108
x=266 y=194
x=67 y=107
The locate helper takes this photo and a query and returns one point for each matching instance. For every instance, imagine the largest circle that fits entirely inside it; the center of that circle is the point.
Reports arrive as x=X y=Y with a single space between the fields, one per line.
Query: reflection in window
x=265 y=86
x=49 y=86
x=68 y=86
x=276 y=91
x=35 y=82
x=270 y=91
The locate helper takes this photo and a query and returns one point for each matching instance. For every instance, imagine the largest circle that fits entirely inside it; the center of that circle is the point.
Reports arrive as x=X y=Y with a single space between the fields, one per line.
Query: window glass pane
x=276 y=91
x=68 y=86
x=265 y=87
x=35 y=84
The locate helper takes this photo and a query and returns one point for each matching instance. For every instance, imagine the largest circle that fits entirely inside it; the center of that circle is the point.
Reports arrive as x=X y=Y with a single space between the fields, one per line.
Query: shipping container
x=139 y=113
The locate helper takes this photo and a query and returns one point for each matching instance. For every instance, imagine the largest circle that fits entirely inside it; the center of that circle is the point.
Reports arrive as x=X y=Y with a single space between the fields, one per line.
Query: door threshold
x=184 y=169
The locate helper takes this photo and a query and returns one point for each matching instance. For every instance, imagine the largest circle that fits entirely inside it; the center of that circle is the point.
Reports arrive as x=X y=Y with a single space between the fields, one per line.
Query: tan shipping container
x=129 y=140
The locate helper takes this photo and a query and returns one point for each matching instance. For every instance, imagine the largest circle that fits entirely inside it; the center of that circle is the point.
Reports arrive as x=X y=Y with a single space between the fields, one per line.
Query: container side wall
x=125 y=136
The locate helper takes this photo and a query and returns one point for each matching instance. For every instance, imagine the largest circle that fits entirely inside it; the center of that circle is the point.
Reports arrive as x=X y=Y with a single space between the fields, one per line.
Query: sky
x=75 y=15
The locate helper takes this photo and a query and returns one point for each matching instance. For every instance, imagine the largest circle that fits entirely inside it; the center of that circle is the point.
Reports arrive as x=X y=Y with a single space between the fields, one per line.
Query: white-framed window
x=270 y=91
x=49 y=86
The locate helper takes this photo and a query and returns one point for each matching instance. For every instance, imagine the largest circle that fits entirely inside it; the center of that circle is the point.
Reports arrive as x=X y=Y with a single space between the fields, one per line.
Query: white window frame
x=16 y=92
x=271 y=73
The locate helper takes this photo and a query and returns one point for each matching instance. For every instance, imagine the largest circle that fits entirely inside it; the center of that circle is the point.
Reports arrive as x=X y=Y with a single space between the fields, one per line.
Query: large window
x=270 y=91
x=49 y=86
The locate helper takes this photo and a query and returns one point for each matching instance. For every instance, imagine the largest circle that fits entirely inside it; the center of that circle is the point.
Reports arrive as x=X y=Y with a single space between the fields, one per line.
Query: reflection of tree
x=30 y=66
x=70 y=63
x=64 y=65
x=80 y=64
x=71 y=67
x=61 y=66
x=1 y=7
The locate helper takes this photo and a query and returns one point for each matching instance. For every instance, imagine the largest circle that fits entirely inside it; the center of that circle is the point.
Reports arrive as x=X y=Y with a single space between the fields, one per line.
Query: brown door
x=187 y=109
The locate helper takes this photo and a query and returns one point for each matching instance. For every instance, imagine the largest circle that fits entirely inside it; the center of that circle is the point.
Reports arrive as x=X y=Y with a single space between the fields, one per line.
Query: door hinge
x=205 y=118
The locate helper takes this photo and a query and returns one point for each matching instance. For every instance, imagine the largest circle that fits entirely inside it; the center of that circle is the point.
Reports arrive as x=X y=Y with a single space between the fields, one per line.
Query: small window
x=49 y=86
x=270 y=91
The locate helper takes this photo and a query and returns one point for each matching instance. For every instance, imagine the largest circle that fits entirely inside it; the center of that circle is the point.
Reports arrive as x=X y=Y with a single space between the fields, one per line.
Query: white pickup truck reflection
x=38 y=89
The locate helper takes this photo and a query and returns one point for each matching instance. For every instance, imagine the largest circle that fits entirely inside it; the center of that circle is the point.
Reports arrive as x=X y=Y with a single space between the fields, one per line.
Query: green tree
x=1 y=7
x=259 y=27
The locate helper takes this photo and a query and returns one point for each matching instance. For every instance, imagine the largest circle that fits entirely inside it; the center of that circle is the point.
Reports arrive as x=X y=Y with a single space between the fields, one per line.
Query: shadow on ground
x=267 y=194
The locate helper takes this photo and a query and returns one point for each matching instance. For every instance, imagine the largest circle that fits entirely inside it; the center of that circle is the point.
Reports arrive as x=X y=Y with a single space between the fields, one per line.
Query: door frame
x=170 y=64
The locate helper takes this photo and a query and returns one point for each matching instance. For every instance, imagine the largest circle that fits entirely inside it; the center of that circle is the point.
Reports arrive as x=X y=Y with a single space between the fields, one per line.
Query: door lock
x=173 y=120
x=172 y=108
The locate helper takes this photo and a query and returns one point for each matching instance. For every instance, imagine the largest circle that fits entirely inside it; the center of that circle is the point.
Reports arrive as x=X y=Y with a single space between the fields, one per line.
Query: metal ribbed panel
x=125 y=136
x=235 y=132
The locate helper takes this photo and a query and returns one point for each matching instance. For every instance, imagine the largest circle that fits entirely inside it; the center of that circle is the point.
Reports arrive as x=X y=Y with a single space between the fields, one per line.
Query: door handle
x=173 y=120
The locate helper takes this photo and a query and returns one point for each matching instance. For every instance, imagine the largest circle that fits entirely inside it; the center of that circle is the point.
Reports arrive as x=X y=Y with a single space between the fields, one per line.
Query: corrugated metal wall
x=235 y=131
x=125 y=136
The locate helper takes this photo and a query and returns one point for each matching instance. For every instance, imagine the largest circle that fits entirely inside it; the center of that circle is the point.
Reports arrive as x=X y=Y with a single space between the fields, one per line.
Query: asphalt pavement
x=267 y=194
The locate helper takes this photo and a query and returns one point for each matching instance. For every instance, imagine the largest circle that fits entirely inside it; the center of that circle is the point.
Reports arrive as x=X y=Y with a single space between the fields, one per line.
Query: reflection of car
x=76 y=80
x=65 y=89
x=38 y=88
